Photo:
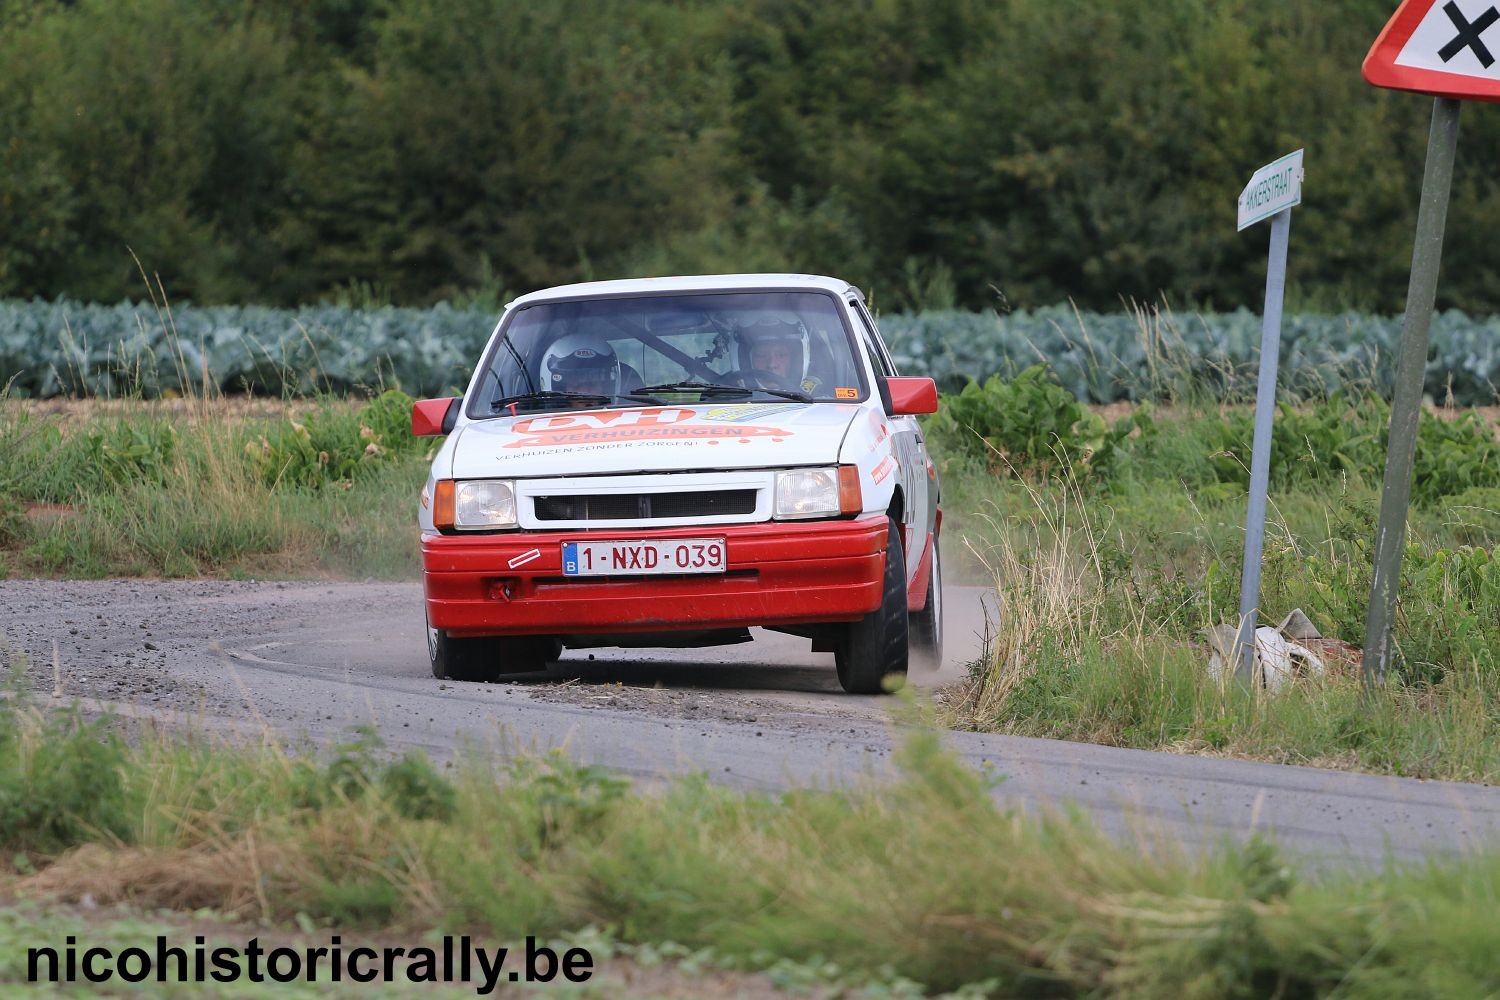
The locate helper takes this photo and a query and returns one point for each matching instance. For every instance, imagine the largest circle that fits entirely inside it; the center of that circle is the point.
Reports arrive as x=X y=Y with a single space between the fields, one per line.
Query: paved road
x=309 y=660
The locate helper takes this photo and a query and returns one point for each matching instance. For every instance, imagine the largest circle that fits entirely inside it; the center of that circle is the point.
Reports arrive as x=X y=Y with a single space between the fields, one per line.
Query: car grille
x=632 y=506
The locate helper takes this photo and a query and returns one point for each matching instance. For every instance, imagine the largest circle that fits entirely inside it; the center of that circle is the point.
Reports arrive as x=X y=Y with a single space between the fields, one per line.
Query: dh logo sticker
x=600 y=419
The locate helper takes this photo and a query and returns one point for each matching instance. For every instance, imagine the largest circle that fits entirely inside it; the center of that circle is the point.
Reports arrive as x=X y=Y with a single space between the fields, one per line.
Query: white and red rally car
x=670 y=461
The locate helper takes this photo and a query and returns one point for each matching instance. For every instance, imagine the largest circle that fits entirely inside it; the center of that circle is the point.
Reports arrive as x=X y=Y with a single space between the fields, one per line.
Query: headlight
x=803 y=493
x=484 y=503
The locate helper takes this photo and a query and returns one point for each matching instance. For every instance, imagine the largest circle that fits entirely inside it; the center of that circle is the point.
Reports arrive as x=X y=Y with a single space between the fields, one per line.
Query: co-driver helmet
x=768 y=343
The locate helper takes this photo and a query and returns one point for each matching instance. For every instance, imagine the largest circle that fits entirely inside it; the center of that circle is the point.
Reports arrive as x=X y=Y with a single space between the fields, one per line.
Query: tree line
x=940 y=153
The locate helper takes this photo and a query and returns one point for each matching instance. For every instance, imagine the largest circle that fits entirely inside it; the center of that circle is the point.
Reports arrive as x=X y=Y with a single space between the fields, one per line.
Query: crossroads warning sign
x=1447 y=48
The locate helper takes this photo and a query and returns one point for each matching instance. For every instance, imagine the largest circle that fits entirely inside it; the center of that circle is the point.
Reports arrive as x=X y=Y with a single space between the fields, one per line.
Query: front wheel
x=927 y=624
x=486 y=658
x=871 y=656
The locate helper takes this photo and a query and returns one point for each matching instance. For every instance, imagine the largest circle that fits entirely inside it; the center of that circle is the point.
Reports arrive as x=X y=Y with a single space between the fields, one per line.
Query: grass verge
x=926 y=880
x=213 y=487
x=1115 y=548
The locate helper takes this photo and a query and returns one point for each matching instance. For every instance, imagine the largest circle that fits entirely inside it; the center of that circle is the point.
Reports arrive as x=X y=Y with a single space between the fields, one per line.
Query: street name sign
x=1272 y=193
x=1447 y=48
x=1274 y=188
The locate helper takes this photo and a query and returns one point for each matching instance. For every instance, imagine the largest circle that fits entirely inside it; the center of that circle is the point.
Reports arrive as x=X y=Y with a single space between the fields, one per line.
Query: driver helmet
x=774 y=345
x=581 y=363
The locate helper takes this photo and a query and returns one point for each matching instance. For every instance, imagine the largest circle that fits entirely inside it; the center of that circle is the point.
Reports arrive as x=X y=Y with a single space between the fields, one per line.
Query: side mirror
x=432 y=417
x=912 y=395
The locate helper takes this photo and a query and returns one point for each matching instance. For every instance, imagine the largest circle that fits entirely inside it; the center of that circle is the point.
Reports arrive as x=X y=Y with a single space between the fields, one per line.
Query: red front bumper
x=778 y=574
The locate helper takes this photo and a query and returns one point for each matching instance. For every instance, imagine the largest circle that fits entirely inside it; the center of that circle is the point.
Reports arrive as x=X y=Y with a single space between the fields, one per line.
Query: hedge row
x=66 y=348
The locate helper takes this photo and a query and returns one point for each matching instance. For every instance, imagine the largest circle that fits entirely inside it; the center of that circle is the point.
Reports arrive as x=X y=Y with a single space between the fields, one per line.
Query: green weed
x=1032 y=424
x=333 y=444
x=59 y=782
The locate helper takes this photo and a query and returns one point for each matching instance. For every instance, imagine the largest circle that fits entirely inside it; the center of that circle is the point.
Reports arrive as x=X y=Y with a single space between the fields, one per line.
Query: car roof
x=685 y=283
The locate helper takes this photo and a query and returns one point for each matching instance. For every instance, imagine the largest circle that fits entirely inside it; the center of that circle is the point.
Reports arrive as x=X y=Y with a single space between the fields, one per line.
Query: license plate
x=653 y=558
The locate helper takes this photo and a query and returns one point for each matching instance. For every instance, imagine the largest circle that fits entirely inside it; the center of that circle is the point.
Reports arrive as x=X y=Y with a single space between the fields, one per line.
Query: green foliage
x=162 y=128
x=388 y=416
x=334 y=444
x=187 y=487
x=1340 y=437
x=59 y=782
x=948 y=887
x=571 y=800
x=1159 y=354
x=1473 y=515
x=1455 y=456
x=1147 y=548
x=409 y=785
x=1031 y=424
x=129 y=452
x=12 y=520
x=411 y=151
x=1157 y=695
x=416 y=790
x=1451 y=604
x=66 y=348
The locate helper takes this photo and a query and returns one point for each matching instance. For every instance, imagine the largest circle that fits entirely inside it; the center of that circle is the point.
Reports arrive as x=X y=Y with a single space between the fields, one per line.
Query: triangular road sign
x=1448 y=48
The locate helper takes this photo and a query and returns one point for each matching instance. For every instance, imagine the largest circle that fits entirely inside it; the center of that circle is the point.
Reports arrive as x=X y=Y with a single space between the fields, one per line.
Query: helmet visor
x=778 y=356
x=584 y=371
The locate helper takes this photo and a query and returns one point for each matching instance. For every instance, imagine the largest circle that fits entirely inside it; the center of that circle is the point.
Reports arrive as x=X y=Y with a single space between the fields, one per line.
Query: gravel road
x=310 y=660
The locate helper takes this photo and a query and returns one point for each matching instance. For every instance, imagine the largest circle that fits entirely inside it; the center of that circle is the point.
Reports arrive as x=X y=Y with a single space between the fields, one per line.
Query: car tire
x=484 y=659
x=871 y=655
x=927 y=624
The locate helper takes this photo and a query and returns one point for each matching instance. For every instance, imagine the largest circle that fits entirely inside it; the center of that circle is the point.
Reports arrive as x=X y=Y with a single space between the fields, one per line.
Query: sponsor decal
x=688 y=432
x=885 y=468
x=524 y=558
x=629 y=425
x=548 y=449
x=844 y=393
x=595 y=419
x=746 y=411
x=426 y=498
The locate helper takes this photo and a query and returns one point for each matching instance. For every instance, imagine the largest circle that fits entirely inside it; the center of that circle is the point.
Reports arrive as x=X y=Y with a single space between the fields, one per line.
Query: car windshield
x=601 y=352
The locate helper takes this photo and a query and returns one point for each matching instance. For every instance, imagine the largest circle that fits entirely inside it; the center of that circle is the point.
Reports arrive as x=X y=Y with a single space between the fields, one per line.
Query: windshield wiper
x=714 y=389
x=544 y=396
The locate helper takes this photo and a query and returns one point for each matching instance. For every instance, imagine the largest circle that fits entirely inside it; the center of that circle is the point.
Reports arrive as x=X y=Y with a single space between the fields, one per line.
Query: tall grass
x=1107 y=587
x=928 y=878
x=209 y=486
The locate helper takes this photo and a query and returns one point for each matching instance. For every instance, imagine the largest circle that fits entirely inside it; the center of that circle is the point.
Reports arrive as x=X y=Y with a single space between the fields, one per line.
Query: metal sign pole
x=1406 y=407
x=1260 y=455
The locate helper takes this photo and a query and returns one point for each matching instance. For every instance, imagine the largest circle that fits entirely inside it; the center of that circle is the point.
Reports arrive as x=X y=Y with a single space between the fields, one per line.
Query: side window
x=878 y=358
x=870 y=341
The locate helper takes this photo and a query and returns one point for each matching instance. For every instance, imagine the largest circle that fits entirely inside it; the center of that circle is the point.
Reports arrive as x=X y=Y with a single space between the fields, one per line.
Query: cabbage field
x=65 y=348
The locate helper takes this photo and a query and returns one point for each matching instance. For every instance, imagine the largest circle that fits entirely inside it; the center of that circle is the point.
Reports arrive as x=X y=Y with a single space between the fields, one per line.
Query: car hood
x=653 y=439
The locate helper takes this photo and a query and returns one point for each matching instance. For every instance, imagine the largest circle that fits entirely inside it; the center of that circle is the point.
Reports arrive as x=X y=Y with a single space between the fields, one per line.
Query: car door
x=909 y=445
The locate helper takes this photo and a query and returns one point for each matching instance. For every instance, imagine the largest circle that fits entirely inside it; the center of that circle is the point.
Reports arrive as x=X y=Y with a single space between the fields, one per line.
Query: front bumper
x=778 y=573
